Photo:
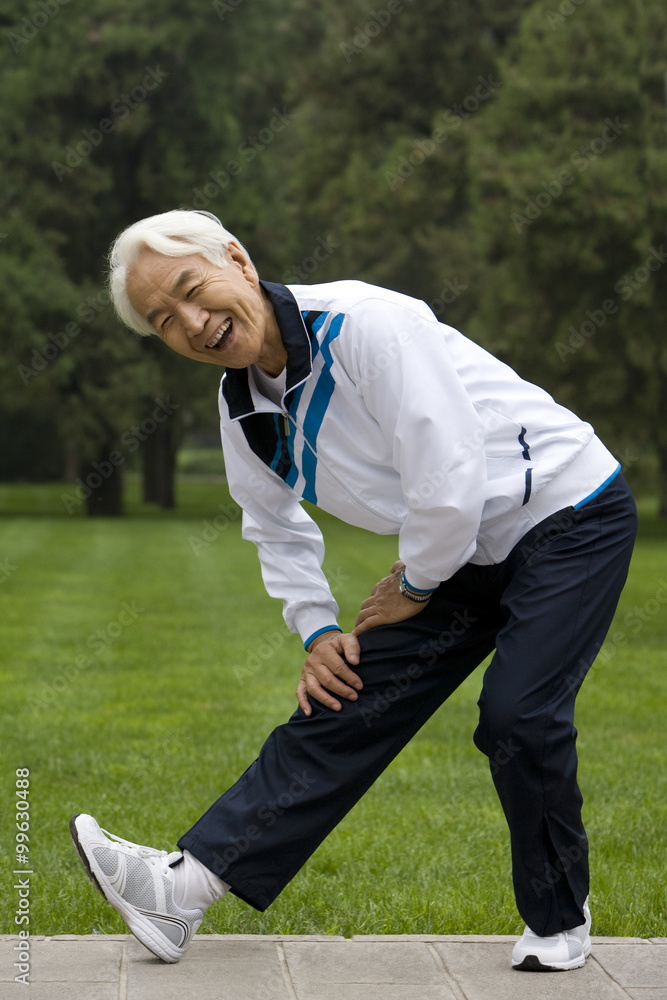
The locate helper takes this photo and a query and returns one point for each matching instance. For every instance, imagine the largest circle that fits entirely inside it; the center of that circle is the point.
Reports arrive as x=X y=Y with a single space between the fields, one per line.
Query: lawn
x=143 y=666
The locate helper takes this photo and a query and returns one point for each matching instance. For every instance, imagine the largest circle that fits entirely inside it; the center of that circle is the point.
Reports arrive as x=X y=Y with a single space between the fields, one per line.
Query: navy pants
x=545 y=610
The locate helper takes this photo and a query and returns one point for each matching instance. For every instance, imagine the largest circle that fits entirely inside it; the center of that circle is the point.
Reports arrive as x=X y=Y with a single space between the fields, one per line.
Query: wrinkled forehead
x=157 y=269
x=153 y=277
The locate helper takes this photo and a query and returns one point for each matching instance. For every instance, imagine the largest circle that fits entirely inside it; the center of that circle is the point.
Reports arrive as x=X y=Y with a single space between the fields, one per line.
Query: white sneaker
x=138 y=883
x=556 y=953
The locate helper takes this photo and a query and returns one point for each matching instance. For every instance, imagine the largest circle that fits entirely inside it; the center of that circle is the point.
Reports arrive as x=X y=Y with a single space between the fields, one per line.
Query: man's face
x=218 y=315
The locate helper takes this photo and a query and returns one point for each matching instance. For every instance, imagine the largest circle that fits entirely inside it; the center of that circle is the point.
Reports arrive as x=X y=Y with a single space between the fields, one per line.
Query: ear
x=239 y=256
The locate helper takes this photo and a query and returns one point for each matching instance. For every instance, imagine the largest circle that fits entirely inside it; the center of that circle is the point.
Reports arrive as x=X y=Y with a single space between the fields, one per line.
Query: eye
x=193 y=291
x=164 y=326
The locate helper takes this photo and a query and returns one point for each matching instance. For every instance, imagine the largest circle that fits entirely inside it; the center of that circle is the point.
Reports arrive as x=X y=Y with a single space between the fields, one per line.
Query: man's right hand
x=326 y=671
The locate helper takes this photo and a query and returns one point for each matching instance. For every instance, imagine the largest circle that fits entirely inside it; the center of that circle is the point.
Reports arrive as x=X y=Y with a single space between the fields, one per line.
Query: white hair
x=171 y=234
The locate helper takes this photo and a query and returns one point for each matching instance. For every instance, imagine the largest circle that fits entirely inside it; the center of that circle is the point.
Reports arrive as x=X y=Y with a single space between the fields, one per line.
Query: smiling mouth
x=220 y=338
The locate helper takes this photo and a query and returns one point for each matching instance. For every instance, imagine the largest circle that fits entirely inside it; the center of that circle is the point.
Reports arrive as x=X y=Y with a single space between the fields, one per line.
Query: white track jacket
x=399 y=424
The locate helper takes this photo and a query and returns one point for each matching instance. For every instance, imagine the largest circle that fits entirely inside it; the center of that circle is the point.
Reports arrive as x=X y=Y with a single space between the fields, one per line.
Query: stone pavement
x=250 y=967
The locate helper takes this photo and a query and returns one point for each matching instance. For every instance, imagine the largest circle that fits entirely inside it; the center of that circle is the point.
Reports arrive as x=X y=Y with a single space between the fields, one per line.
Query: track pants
x=546 y=610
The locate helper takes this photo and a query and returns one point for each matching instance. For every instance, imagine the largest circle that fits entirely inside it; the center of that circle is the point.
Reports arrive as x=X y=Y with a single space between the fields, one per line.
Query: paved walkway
x=249 y=967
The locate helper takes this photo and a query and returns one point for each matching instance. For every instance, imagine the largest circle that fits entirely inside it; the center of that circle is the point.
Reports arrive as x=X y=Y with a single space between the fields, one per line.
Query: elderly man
x=515 y=530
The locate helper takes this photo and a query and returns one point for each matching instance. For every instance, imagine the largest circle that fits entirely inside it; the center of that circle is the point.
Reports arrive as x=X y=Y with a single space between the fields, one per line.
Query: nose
x=192 y=316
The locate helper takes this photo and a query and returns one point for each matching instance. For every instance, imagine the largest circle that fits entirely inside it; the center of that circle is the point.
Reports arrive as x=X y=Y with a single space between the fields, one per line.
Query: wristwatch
x=419 y=597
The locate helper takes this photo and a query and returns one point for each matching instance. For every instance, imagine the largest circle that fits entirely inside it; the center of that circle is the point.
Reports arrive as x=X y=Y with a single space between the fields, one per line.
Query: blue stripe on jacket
x=319 y=401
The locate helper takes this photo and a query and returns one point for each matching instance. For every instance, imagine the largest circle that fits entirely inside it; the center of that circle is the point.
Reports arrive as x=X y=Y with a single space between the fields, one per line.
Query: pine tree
x=108 y=113
x=569 y=188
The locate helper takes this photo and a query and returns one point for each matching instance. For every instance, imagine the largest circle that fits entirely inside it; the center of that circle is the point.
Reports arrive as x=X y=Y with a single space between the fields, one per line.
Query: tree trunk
x=662 y=482
x=661 y=442
x=70 y=464
x=150 y=470
x=158 y=453
x=102 y=482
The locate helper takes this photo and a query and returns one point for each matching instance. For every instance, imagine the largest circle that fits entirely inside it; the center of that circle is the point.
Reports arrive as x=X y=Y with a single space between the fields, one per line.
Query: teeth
x=217 y=337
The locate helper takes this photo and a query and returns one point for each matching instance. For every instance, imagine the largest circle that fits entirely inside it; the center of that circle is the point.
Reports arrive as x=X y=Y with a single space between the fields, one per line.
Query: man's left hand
x=387 y=604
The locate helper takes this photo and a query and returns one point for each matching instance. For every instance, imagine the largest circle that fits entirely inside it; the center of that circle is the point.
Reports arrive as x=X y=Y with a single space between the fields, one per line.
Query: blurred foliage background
x=505 y=161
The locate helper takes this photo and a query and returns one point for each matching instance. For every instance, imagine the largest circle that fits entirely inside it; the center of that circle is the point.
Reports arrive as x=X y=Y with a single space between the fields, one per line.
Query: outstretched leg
x=309 y=773
x=312 y=770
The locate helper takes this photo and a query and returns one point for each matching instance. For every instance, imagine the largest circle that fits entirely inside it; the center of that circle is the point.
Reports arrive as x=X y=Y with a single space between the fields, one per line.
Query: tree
x=570 y=196
x=110 y=113
x=505 y=161
x=385 y=100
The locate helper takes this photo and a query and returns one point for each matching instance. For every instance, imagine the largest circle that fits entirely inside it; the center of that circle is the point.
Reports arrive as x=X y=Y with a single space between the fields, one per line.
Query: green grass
x=164 y=709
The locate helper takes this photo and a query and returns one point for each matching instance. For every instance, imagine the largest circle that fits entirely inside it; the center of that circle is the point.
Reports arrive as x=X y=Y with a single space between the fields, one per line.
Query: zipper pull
x=286 y=423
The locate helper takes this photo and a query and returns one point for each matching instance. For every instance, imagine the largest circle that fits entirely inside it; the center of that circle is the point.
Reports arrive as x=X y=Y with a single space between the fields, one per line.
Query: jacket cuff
x=320 y=631
x=420 y=583
x=311 y=619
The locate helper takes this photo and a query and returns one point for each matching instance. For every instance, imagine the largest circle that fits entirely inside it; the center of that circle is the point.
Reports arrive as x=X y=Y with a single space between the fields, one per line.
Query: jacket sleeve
x=289 y=543
x=409 y=384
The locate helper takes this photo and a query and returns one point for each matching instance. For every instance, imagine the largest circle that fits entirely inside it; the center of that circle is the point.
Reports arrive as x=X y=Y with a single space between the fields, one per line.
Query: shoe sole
x=531 y=963
x=139 y=924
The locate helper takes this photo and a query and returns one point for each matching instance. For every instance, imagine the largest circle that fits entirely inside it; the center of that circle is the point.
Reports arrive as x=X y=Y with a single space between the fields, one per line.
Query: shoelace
x=149 y=854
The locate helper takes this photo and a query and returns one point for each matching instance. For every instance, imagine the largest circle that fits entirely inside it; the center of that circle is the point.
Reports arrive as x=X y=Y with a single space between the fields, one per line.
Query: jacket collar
x=235 y=387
